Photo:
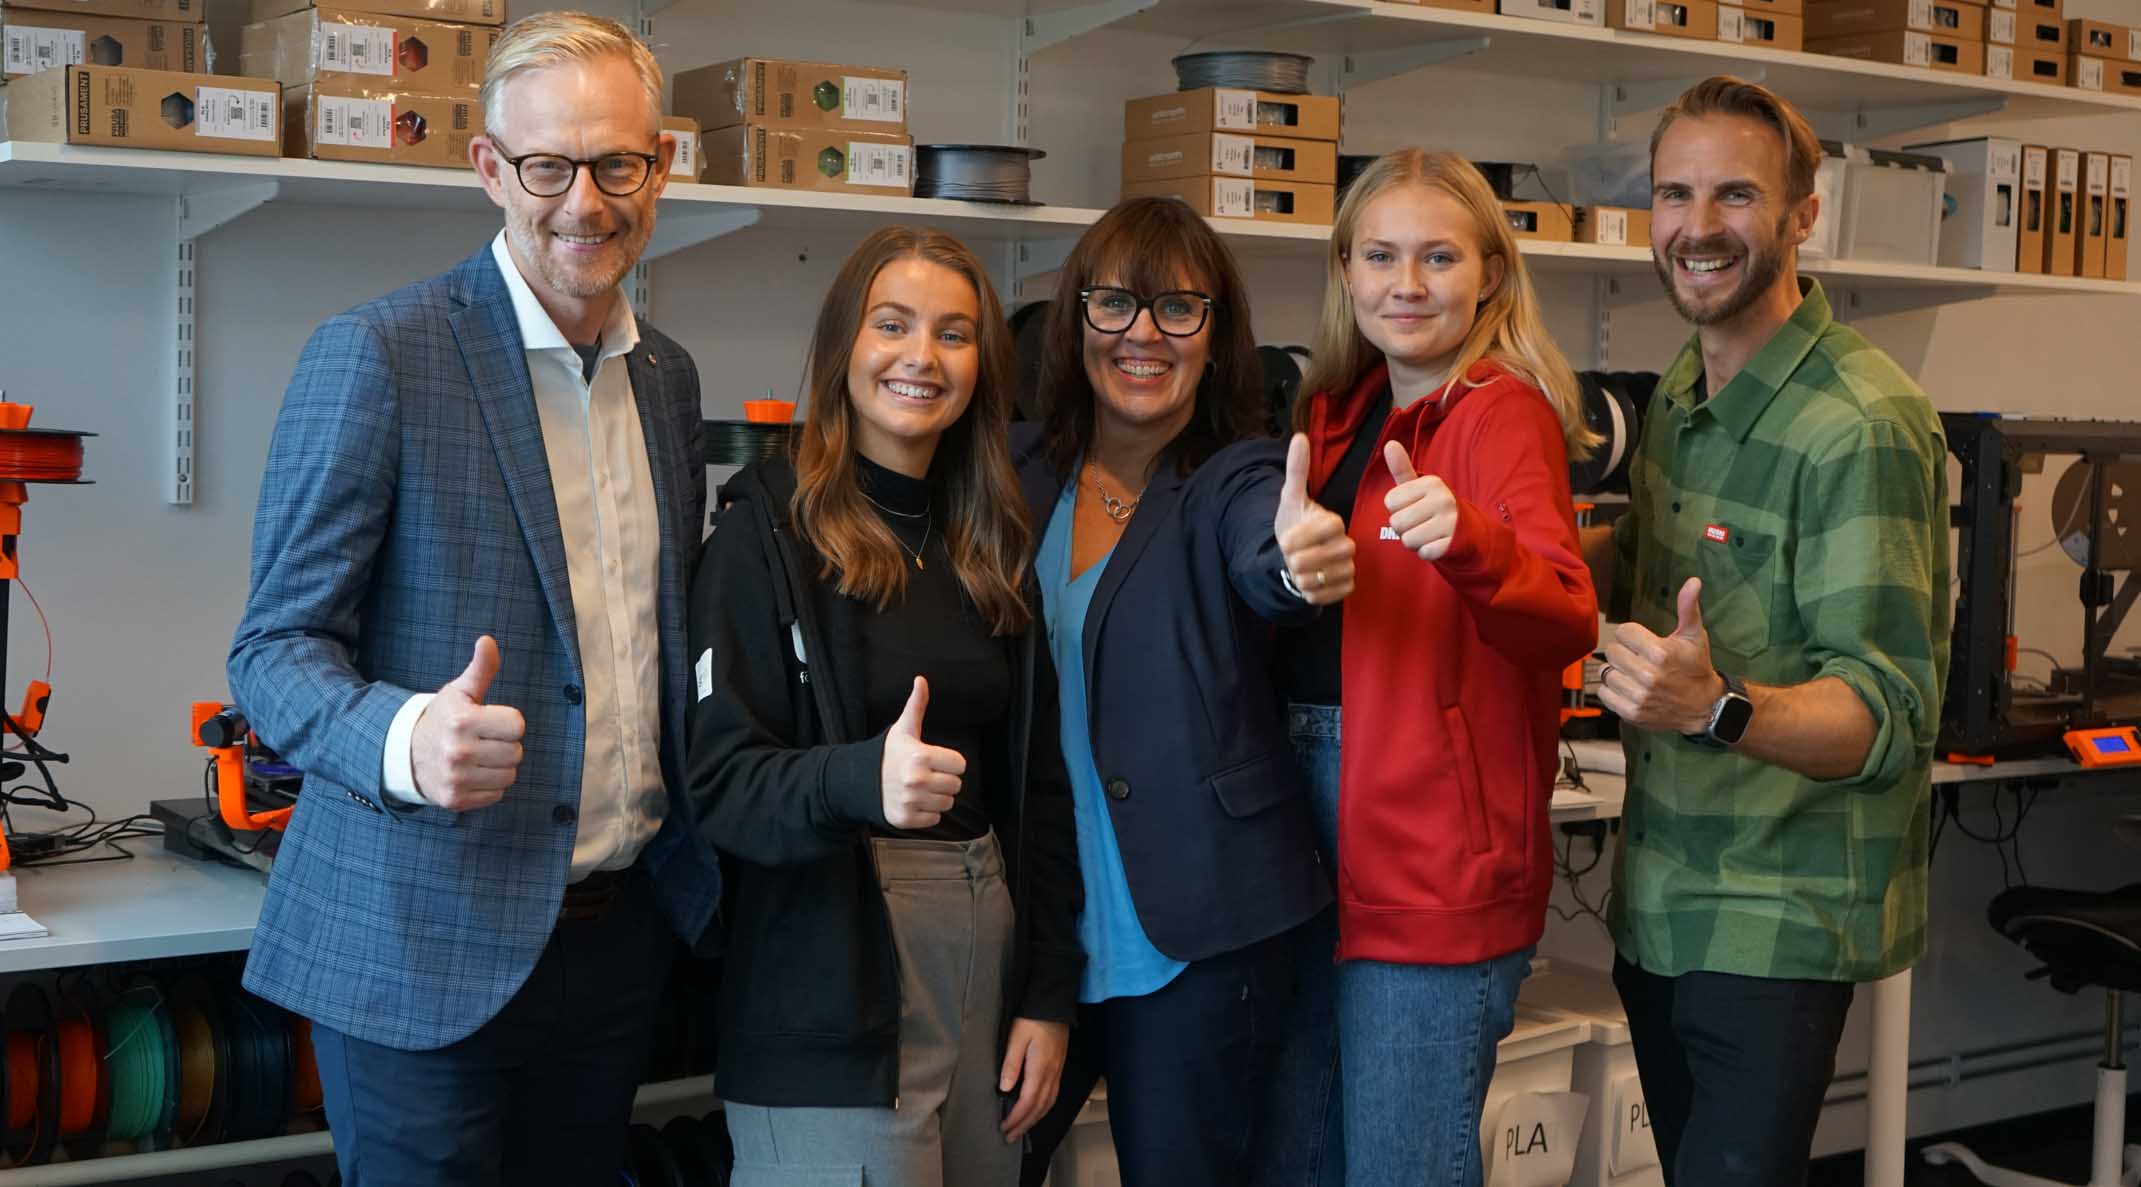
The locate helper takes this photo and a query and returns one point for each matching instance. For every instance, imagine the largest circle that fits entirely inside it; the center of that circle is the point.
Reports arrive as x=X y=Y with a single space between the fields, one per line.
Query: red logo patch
x=1717 y=533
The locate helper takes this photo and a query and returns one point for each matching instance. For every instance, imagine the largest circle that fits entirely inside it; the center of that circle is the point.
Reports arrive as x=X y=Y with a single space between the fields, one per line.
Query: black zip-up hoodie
x=784 y=778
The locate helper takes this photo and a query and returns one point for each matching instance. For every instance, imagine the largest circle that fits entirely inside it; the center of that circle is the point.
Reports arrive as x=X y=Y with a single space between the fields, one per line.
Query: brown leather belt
x=591 y=897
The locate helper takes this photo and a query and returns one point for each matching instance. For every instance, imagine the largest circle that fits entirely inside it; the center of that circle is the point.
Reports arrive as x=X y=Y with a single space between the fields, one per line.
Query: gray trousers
x=951 y=926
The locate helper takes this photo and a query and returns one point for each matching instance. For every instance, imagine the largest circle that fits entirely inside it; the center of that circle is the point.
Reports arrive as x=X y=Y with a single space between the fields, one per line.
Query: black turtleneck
x=933 y=632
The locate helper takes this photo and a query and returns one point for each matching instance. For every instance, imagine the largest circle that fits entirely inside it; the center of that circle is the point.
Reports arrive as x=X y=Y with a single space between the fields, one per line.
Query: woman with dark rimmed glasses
x=1173 y=535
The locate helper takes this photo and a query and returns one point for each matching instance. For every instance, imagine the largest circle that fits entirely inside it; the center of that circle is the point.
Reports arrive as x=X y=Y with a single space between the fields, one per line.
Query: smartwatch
x=1729 y=716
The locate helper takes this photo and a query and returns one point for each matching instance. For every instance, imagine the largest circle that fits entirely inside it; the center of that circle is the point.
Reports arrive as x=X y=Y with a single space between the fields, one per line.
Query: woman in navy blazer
x=1173 y=536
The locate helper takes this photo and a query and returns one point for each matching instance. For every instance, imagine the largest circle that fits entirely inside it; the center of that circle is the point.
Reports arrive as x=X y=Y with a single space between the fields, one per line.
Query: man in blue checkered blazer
x=466 y=626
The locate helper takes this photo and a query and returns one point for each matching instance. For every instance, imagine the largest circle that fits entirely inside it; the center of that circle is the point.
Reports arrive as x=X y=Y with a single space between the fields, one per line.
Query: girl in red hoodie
x=1440 y=426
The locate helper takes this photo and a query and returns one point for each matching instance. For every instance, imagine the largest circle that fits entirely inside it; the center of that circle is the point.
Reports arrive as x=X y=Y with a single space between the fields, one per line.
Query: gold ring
x=1320 y=582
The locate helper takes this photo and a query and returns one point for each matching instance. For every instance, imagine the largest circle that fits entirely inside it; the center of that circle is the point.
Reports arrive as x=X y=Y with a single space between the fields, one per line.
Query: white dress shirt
x=606 y=513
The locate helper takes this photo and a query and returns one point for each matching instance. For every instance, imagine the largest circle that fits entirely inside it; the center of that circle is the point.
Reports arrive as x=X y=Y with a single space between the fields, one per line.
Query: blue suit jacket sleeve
x=326 y=500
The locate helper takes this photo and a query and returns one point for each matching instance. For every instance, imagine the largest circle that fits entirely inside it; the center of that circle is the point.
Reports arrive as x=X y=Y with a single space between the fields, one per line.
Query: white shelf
x=55 y=167
x=157 y=905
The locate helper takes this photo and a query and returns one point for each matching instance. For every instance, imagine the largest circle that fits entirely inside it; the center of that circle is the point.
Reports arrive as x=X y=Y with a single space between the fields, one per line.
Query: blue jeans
x=1385 y=1072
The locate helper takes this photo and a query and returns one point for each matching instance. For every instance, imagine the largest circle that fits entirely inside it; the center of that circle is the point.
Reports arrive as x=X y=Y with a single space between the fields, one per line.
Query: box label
x=1233 y=154
x=1921 y=14
x=2099 y=174
x=1612 y=226
x=2033 y=168
x=2003 y=161
x=880 y=100
x=1235 y=110
x=2133 y=44
x=2002 y=26
x=1233 y=197
x=2070 y=169
x=2122 y=176
x=687 y=155
x=2089 y=74
x=879 y=164
x=356 y=49
x=232 y=114
x=1731 y=23
x=1999 y=61
x=1917 y=49
x=31 y=50
x=356 y=123
x=1642 y=14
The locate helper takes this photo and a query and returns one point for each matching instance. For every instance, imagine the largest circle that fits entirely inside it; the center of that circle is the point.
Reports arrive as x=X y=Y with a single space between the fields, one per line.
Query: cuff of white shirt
x=398 y=768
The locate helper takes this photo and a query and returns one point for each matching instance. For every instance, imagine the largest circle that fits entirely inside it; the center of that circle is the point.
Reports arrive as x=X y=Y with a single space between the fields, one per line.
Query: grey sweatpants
x=951 y=926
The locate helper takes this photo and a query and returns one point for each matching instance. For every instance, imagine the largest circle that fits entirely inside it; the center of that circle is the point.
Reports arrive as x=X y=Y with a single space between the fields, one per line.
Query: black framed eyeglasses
x=618 y=174
x=1177 y=313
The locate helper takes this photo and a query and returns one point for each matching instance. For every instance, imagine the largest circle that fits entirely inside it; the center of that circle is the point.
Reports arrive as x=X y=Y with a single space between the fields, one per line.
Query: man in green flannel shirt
x=1781 y=579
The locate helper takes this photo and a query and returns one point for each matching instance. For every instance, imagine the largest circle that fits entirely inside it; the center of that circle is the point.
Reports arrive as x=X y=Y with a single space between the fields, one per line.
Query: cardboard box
x=188 y=12
x=2040 y=32
x=2025 y=65
x=2095 y=215
x=344 y=120
x=460 y=12
x=1985 y=185
x=1243 y=197
x=32 y=42
x=1613 y=226
x=690 y=159
x=1694 y=19
x=1773 y=30
x=837 y=159
x=781 y=93
x=1456 y=5
x=1549 y=221
x=2106 y=75
x=163 y=109
x=386 y=53
x=2040 y=10
x=1787 y=7
x=2102 y=39
x=2122 y=186
x=1908 y=48
x=1228 y=154
x=1216 y=109
x=2035 y=216
x=2063 y=216
x=1830 y=19
x=1566 y=12
x=2001 y=27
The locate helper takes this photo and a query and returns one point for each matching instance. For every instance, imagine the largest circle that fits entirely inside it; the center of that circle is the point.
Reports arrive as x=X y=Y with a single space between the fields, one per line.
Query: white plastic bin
x=1087 y=1156
x=1826 y=242
x=1617 y=1149
x=1892 y=204
x=1533 y=1123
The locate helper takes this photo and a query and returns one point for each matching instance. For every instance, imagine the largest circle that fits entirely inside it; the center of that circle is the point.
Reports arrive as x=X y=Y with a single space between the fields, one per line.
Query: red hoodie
x=1452 y=675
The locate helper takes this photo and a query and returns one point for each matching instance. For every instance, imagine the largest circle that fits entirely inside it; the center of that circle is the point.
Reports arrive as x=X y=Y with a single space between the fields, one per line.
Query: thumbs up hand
x=1312 y=538
x=920 y=781
x=1423 y=512
x=1663 y=683
x=464 y=752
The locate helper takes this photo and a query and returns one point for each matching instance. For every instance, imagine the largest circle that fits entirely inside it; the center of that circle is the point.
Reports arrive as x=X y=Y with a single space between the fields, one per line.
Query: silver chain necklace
x=1118 y=510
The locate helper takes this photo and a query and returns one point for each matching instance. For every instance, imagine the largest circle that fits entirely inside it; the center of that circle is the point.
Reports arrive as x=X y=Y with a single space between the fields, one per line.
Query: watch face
x=1732 y=718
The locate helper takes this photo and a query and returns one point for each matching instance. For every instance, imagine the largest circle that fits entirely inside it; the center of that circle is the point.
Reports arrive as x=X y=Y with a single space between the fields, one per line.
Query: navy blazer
x=407 y=509
x=1188 y=723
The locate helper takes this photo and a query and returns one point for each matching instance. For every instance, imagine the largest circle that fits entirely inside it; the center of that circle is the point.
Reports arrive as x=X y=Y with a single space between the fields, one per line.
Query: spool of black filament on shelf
x=741 y=442
x=1249 y=70
x=260 y=1070
x=998 y=173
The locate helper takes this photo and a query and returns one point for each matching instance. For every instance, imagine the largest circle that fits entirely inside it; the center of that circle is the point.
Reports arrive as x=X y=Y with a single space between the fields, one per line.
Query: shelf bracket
x=1366 y=66
x=1042 y=30
x=1634 y=98
x=1862 y=301
x=194 y=215
x=675 y=233
x=1620 y=292
x=1032 y=259
x=1876 y=122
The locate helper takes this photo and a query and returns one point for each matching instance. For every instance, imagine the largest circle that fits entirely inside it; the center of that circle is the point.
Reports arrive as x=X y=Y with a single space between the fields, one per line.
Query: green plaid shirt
x=1810 y=495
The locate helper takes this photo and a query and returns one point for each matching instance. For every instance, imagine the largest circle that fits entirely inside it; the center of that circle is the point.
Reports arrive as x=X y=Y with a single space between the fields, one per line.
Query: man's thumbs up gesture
x=920 y=781
x=463 y=752
x=1663 y=683
x=1311 y=537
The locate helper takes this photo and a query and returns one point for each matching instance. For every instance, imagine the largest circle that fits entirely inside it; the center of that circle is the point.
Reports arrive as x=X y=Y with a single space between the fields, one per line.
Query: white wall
x=142 y=597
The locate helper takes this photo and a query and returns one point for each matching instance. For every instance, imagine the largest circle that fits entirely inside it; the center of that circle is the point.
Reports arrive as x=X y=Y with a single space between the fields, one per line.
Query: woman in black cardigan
x=1173 y=535
x=873 y=754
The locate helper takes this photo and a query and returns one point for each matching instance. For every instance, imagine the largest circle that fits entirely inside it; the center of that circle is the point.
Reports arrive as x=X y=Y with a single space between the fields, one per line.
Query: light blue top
x=1120 y=960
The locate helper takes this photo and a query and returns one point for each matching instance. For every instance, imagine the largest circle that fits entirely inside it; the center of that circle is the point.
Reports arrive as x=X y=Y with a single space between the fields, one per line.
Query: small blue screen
x=2112 y=745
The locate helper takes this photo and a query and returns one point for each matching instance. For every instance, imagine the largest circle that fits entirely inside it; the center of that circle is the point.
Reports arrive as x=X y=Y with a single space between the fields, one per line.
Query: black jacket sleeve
x=759 y=789
x=1249 y=476
x=1055 y=959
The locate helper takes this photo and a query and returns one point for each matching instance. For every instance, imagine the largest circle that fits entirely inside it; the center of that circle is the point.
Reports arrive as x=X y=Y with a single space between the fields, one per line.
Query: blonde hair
x=1726 y=95
x=1507 y=331
x=544 y=39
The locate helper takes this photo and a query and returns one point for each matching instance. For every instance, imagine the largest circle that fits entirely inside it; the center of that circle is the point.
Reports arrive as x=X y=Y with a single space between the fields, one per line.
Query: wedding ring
x=1319 y=579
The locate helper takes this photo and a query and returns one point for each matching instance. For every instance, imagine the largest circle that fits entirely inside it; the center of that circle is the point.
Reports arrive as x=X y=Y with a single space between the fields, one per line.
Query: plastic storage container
x=1892 y=204
x=1532 y=1124
x=1616 y=1149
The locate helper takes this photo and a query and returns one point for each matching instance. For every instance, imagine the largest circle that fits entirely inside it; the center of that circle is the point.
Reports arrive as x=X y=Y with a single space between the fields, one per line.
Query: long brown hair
x=1508 y=329
x=987 y=534
x=1149 y=245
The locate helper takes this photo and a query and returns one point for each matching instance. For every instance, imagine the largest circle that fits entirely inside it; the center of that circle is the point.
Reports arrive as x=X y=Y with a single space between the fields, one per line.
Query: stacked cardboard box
x=40 y=35
x=796 y=125
x=1693 y=19
x=2104 y=57
x=1773 y=24
x=375 y=80
x=1235 y=153
x=1565 y=12
x=138 y=108
x=689 y=161
x=1935 y=34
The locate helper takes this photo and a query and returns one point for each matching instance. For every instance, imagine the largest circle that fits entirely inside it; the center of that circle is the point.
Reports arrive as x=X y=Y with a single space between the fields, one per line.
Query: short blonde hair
x=546 y=39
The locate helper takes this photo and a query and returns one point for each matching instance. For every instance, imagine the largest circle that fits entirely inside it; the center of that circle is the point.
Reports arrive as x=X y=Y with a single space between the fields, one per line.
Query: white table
x=157 y=905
